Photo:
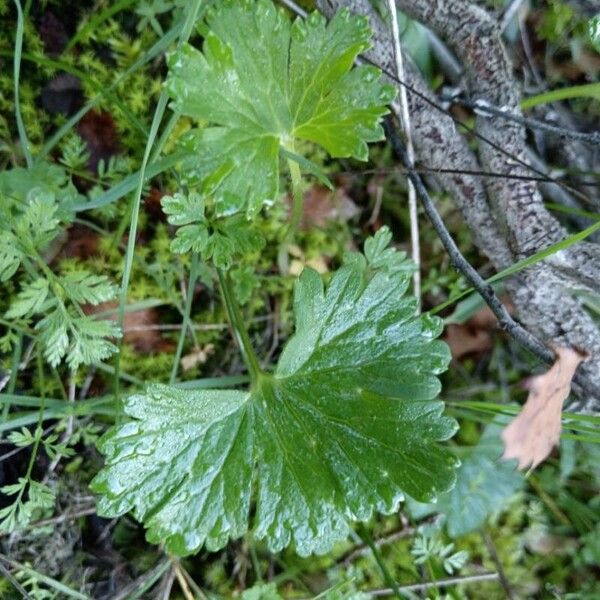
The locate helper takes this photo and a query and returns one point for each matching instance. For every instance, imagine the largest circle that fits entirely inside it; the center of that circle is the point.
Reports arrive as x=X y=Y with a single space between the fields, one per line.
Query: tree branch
x=514 y=329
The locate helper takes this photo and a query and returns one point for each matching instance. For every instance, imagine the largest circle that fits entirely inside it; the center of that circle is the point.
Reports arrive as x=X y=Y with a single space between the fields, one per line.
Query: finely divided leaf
x=10 y=256
x=220 y=240
x=85 y=288
x=29 y=300
x=261 y=83
x=484 y=484
x=83 y=339
x=344 y=427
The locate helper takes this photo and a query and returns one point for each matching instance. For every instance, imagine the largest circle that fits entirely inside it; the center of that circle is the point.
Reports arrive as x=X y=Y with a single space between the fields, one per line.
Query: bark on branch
x=506 y=215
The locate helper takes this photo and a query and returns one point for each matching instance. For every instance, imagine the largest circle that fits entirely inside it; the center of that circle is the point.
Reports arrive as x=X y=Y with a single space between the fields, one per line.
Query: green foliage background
x=543 y=531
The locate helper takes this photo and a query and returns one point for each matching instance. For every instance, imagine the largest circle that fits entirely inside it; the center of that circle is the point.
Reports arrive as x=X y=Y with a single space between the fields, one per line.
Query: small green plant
x=36 y=205
x=346 y=423
x=426 y=549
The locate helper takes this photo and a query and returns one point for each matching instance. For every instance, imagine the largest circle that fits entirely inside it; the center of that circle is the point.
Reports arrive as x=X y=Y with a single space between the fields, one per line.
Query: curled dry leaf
x=533 y=433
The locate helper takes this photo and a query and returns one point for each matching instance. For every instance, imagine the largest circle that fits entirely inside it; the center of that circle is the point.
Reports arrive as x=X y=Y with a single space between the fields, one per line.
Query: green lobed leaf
x=182 y=209
x=262 y=82
x=484 y=484
x=344 y=427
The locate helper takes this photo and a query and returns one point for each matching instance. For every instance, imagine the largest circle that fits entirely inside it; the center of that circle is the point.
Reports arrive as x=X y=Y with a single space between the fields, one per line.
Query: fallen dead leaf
x=322 y=205
x=81 y=243
x=474 y=336
x=152 y=204
x=533 y=433
x=99 y=131
x=139 y=328
x=53 y=34
x=464 y=340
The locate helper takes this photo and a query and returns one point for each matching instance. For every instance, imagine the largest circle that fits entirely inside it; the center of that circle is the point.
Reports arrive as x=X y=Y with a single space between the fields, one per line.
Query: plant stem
x=17 y=71
x=137 y=199
x=38 y=432
x=239 y=328
x=365 y=534
x=14 y=373
x=186 y=315
x=403 y=114
x=297 y=201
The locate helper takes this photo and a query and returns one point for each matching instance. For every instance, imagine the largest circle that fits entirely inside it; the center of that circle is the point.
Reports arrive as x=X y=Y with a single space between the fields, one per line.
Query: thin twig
x=66 y=436
x=296 y=8
x=377 y=208
x=166 y=585
x=436 y=171
x=420 y=587
x=508 y=12
x=365 y=535
x=85 y=512
x=484 y=108
x=471 y=130
x=446 y=59
x=183 y=584
x=9 y=576
x=506 y=322
x=403 y=115
x=144 y=582
x=498 y=563
x=361 y=549
x=193 y=585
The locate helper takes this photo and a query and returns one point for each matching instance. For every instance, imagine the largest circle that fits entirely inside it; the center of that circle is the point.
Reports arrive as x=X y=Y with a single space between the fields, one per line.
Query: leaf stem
x=14 y=373
x=297 y=201
x=186 y=315
x=38 y=432
x=239 y=328
x=137 y=198
x=16 y=73
x=365 y=534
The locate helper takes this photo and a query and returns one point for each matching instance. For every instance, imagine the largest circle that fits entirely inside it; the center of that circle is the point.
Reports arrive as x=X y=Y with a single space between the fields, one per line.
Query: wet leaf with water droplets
x=346 y=425
x=262 y=82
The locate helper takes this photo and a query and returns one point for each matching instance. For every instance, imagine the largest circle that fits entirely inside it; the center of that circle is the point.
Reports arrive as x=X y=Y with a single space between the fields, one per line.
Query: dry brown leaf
x=533 y=433
x=139 y=328
x=475 y=335
x=464 y=340
x=99 y=131
x=322 y=205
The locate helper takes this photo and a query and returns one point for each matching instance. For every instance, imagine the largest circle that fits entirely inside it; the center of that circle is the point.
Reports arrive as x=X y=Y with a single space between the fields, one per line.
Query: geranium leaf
x=344 y=427
x=262 y=82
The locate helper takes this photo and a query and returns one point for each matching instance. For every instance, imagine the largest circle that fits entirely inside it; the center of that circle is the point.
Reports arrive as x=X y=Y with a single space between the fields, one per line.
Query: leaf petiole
x=239 y=328
x=297 y=211
x=297 y=200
